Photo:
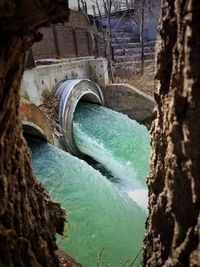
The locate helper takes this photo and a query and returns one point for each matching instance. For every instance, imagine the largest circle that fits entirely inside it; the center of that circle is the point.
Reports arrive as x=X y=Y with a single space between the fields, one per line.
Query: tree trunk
x=173 y=225
x=28 y=219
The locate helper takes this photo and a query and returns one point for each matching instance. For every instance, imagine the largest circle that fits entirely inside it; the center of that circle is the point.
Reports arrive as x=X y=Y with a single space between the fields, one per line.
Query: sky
x=73 y=3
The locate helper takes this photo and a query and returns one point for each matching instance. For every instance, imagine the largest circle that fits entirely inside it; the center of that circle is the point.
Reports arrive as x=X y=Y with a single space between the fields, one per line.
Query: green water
x=104 y=215
x=99 y=215
x=120 y=144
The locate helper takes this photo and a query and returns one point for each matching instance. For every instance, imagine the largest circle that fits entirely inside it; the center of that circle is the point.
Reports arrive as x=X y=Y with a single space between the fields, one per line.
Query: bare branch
x=136 y=258
x=99 y=257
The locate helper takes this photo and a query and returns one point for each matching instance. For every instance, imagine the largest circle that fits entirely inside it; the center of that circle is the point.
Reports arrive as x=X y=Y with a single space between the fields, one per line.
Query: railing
x=118 y=6
x=61 y=41
x=123 y=5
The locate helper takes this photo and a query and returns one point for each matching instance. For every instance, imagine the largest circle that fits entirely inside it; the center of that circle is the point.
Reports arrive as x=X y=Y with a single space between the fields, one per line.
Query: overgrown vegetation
x=26 y=96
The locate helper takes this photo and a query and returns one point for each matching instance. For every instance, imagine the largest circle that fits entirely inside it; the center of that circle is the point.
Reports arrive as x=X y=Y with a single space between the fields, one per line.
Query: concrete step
x=133 y=70
x=132 y=45
x=134 y=63
x=137 y=50
x=137 y=56
x=118 y=52
x=125 y=45
x=146 y=56
x=126 y=71
x=133 y=51
x=125 y=40
x=147 y=62
x=124 y=34
x=150 y=43
x=121 y=28
x=120 y=59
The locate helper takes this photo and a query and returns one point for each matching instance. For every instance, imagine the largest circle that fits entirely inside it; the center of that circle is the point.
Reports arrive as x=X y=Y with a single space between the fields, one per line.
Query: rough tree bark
x=173 y=225
x=28 y=219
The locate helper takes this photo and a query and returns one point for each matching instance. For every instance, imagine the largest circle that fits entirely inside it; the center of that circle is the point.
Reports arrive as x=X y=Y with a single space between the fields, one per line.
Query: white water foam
x=95 y=148
x=140 y=196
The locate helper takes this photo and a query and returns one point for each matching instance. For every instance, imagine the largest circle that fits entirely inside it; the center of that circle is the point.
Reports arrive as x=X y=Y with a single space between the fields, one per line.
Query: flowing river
x=106 y=215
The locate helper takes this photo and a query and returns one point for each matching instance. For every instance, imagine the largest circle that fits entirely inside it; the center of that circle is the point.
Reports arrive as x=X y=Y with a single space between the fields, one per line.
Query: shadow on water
x=99 y=215
x=102 y=169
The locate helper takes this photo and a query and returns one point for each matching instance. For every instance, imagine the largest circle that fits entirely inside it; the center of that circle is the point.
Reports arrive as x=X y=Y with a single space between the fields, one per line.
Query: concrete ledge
x=34 y=121
x=39 y=83
x=129 y=100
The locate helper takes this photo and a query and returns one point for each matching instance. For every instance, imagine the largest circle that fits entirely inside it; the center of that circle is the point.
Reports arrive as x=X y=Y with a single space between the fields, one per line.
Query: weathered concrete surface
x=129 y=100
x=34 y=121
x=39 y=83
x=69 y=94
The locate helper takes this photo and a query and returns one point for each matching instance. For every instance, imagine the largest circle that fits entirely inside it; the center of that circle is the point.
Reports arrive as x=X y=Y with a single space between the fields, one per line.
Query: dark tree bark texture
x=27 y=219
x=173 y=225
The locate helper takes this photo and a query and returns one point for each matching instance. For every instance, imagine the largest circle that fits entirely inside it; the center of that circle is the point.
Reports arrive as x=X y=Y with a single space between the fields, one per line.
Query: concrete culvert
x=70 y=93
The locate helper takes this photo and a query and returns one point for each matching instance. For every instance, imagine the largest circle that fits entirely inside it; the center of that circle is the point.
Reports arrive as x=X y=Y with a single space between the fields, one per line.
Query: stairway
x=127 y=53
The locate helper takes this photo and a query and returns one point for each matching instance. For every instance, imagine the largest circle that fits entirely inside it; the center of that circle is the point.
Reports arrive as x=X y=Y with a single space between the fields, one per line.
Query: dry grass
x=49 y=107
x=144 y=83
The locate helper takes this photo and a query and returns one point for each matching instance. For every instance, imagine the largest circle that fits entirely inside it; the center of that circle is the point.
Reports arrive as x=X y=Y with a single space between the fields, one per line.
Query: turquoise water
x=105 y=216
x=99 y=215
x=120 y=144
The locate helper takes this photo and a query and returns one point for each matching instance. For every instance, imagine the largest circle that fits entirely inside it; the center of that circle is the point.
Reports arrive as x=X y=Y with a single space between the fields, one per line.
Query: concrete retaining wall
x=129 y=100
x=39 y=83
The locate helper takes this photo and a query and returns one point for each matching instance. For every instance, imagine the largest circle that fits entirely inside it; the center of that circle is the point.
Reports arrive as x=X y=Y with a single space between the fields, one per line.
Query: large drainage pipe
x=34 y=121
x=69 y=94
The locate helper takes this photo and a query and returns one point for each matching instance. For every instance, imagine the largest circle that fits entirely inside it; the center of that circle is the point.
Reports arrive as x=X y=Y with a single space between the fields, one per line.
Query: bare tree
x=96 y=2
x=84 y=6
x=105 y=6
x=79 y=5
x=137 y=15
x=108 y=4
x=173 y=225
